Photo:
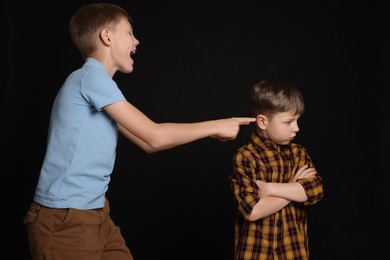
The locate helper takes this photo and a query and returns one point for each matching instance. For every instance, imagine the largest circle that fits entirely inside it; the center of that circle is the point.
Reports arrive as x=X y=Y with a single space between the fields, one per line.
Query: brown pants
x=70 y=234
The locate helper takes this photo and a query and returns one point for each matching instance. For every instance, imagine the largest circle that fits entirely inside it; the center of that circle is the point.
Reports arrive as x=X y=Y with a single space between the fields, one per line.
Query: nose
x=295 y=127
x=136 y=41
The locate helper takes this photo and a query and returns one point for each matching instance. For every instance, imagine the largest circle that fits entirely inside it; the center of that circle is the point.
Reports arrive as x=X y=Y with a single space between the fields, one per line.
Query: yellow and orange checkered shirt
x=282 y=235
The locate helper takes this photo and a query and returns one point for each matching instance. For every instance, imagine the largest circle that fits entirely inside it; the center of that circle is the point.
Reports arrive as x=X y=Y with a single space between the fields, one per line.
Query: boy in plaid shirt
x=274 y=179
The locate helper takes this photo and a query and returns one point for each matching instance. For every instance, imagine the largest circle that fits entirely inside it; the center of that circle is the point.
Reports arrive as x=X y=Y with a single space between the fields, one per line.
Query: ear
x=105 y=36
x=262 y=121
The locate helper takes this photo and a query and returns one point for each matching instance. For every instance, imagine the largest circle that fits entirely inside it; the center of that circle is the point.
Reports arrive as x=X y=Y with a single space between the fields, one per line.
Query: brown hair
x=271 y=96
x=89 y=20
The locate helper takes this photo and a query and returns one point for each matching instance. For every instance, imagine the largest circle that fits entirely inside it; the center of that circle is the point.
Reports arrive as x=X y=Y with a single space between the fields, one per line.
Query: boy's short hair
x=90 y=19
x=271 y=96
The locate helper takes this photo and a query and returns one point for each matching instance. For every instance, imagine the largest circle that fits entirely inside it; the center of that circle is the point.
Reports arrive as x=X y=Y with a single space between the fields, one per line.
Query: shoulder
x=97 y=76
x=300 y=152
x=93 y=71
x=247 y=151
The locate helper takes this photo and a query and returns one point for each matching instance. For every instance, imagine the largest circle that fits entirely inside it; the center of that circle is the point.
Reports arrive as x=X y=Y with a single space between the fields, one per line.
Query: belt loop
x=37 y=207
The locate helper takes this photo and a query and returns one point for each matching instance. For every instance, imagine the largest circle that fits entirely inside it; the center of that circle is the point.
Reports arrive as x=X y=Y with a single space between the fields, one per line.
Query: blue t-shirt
x=82 y=141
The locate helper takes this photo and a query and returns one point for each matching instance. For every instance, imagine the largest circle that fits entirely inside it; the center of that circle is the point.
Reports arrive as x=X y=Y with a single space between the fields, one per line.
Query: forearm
x=167 y=135
x=151 y=136
x=137 y=141
x=291 y=191
x=266 y=207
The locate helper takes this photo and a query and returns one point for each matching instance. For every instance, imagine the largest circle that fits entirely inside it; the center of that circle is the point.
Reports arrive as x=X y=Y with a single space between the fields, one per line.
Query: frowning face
x=280 y=128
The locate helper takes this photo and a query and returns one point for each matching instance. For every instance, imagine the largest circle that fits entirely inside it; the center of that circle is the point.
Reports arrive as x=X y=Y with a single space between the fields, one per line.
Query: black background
x=196 y=61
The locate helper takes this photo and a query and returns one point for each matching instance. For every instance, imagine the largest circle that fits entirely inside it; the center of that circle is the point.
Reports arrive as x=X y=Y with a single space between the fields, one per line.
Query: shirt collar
x=263 y=142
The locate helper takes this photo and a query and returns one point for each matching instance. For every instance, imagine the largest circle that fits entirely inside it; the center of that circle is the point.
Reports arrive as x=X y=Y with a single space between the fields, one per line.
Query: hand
x=303 y=172
x=229 y=128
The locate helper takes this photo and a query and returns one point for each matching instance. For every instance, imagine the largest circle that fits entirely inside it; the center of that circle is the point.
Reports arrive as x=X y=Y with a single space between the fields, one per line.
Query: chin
x=127 y=70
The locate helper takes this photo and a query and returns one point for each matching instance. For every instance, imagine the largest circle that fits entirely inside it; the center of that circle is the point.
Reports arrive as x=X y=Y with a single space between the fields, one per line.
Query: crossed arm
x=275 y=196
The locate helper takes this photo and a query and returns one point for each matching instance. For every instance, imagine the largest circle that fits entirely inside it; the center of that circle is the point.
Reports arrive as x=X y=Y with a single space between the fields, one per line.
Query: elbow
x=151 y=146
x=251 y=217
x=156 y=143
x=315 y=194
x=255 y=215
x=149 y=150
x=314 y=198
x=313 y=191
x=148 y=147
x=155 y=147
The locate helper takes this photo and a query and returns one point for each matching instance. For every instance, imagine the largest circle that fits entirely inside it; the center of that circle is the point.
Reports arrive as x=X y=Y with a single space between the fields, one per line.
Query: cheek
x=273 y=132
x=280 y=131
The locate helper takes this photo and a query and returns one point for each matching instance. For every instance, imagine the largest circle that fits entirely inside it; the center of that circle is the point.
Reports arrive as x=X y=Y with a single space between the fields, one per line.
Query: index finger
x=245 y=120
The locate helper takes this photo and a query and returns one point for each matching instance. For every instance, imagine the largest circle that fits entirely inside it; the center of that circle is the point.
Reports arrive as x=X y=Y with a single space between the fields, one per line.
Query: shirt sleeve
x=243 y=181
x=312 y=185
x=100 y=90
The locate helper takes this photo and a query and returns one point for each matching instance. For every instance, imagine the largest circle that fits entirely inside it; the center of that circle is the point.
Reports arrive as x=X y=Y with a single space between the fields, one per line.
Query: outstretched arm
x=153 y=137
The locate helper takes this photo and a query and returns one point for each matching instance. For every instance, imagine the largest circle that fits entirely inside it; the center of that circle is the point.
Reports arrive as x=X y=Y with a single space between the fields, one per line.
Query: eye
x=289 y=122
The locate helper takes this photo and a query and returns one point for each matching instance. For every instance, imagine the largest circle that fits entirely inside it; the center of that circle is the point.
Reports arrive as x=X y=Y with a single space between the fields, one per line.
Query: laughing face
x=123 y=43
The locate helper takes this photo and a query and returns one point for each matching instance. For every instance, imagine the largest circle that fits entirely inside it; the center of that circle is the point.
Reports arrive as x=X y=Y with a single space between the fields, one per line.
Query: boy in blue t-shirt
x=69 y=217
